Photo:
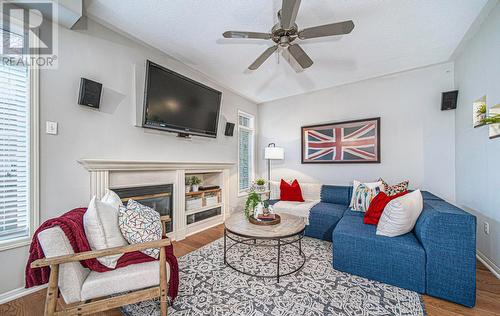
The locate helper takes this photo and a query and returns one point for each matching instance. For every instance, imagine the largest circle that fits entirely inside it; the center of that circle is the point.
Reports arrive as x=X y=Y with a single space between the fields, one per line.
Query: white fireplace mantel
x=107 y=173
x=124 y=165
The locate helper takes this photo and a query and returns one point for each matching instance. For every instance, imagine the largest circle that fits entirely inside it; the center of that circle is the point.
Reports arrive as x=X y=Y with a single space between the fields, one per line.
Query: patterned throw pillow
x=139 y=223
x=363 y=196
x=391 y=190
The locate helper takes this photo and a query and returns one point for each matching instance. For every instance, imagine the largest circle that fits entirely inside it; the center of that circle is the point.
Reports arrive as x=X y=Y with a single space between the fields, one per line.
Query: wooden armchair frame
x=94 y=306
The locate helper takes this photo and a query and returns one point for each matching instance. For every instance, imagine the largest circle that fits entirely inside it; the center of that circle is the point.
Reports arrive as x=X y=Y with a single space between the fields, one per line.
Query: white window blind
x=14 y=152
x=245 y=145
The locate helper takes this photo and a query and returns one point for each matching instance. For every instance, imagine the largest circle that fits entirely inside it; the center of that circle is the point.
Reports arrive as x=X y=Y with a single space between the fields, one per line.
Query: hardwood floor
x=488 y=288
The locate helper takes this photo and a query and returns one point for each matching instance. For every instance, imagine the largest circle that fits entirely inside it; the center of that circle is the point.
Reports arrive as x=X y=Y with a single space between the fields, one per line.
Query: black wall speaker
x=449 y=100
x=90 y=93
x=229 y=129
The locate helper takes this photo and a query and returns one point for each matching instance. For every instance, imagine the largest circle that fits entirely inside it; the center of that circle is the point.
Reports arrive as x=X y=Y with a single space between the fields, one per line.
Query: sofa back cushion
x=71 y=275
x=310 y=191
x=336 y=194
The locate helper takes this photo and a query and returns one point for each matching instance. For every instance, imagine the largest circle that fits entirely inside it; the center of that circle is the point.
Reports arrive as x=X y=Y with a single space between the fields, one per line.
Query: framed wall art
x=343 y=142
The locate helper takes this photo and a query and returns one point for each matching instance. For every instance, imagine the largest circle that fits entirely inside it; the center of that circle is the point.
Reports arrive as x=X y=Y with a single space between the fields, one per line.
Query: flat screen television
x=178 y=104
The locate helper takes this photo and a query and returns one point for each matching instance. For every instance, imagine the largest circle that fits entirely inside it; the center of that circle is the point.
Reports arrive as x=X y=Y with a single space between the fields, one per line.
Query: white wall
x=100 y=54
x=478 y=157
x=417 y=138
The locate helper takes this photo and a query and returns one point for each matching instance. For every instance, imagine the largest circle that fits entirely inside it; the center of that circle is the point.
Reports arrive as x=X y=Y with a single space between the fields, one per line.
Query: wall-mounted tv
x=178 y=104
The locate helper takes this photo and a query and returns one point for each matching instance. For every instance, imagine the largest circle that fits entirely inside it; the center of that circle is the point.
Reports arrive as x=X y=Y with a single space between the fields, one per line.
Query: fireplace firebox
x=158 y=197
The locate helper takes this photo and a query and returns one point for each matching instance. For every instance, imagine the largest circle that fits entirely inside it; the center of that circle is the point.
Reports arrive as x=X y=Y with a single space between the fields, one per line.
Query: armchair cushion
x=129 y=278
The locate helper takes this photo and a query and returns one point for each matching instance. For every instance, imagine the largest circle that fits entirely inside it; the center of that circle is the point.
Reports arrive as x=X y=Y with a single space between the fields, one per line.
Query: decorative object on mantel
x=272 y=153
x=187 y=182
x=343 y=142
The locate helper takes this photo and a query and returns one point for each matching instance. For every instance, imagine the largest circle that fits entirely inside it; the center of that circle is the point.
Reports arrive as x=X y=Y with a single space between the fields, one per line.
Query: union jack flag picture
x=343 y=142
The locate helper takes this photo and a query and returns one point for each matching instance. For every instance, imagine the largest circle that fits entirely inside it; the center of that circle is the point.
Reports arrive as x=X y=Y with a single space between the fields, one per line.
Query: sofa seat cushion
x=351 y=212
x=323 y=218
x=398 y=261
x=129 y=278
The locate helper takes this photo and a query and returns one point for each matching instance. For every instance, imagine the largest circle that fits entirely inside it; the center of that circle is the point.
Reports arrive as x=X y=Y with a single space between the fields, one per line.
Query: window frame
x=251 y=117
x=34 y=187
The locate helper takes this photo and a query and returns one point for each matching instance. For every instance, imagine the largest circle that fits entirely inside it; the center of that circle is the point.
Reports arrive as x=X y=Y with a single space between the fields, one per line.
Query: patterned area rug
x=208 y=287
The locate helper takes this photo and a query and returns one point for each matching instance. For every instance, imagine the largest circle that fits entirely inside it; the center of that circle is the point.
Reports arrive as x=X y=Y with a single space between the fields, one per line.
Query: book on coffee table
x=268 y=217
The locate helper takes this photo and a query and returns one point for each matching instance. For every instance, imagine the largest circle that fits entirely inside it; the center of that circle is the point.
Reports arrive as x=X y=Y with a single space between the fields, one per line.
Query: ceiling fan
x=285 y=32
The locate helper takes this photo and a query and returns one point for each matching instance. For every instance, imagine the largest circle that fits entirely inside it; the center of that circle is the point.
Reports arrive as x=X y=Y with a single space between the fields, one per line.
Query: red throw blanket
x=72 y=225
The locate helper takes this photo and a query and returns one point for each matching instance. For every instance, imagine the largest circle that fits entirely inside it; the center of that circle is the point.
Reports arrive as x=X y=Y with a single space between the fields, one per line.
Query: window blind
x=14 y=152
x=244 y=163
x=245 y=147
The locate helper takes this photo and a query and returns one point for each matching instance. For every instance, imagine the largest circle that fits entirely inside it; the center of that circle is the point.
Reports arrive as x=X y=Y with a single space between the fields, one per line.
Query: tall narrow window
x=246 y=140
x=16 y=151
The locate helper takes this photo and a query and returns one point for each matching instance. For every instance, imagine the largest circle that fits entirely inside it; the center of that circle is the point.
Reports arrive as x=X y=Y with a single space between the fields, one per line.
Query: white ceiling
x=390 y=36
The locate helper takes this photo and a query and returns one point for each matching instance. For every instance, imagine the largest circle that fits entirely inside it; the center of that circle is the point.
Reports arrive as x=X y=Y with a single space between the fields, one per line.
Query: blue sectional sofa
x=437 y=258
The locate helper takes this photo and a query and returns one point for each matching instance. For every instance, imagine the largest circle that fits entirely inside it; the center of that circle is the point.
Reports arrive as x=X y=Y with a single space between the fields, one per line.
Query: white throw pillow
x=100 y=222
x=400 y=215
x=112 y=198
x=139 y=224
x=370 y=185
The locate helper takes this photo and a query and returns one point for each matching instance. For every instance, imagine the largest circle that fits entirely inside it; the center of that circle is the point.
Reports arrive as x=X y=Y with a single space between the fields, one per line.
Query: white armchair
x=89 y=289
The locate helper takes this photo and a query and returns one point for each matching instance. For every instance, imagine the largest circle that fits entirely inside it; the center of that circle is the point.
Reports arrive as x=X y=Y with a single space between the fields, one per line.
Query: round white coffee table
x=289 y=232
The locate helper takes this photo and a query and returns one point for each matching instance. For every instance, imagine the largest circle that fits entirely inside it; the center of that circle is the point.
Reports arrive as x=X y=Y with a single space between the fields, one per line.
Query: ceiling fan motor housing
x=284 y=37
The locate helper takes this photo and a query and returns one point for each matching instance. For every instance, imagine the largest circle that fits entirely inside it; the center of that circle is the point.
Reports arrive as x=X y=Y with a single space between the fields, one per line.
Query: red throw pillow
x=290 y=192
x=377 y=206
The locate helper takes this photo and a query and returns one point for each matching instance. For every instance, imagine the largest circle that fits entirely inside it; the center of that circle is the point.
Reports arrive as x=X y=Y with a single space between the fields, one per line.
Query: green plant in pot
x=260 y=184
x=252 y=200
x=195 y=183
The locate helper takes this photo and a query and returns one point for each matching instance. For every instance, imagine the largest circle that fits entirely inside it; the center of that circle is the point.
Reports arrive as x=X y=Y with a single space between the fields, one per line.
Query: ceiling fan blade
x=262 y=58
x=238 y=34
x=300 y=56
x=289 y=10
x=339 y=28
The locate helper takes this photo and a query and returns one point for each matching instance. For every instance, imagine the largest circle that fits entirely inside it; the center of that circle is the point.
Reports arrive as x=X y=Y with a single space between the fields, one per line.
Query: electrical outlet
x=51 y=128
x=486 y=228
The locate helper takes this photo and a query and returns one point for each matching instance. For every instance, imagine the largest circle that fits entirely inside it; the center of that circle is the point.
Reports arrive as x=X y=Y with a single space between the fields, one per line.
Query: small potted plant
x=251 y=203
x=195 y=183
x=260 y=185
x=188 y=185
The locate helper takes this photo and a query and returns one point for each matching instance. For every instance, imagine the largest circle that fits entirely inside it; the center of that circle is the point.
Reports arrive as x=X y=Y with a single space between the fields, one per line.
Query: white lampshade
x=274 y=153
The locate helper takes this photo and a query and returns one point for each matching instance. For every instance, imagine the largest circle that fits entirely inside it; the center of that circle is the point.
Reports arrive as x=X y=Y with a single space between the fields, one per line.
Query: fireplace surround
x=124 y=176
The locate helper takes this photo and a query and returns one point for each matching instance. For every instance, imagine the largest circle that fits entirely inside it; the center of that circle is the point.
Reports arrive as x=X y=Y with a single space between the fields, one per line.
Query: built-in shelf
x=205 y=208
x=202 y=193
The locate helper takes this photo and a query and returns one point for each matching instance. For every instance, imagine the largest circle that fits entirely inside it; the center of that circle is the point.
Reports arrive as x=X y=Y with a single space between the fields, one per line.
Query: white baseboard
x=20 y=292
x=488 y=263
